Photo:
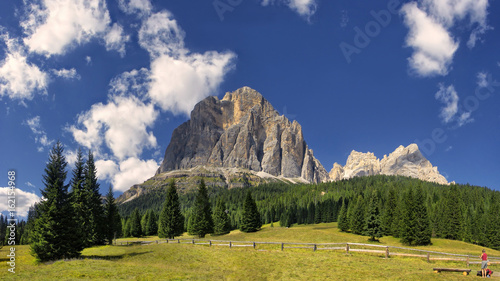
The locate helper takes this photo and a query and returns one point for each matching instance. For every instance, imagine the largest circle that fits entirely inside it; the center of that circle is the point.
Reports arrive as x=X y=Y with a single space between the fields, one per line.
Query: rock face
x=242 y=130
x=404 y=161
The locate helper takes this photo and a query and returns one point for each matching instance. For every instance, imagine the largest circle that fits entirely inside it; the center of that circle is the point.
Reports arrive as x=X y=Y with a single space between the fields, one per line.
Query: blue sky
x=118 y=76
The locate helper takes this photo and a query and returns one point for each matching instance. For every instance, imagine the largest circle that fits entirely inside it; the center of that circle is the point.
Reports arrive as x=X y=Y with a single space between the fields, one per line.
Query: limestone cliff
x=242 y=130
x=404 y=161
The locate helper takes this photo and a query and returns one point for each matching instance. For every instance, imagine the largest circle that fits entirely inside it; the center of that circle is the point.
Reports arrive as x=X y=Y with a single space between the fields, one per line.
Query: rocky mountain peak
x=404 y=161
x=242 y=130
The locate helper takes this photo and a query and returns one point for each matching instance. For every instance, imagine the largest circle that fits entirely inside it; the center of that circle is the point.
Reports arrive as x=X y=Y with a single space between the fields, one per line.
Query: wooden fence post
x=178 y=241
x=210 y=243
x=467 y=260
x=387 y=252
x=282 y=246
x=254 y=245
x=314 y=248
x=230 y=244
x=347 y=248
x=428 y=257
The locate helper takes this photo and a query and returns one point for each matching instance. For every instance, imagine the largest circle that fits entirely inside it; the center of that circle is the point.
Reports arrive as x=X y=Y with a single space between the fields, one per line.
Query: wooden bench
x=465 y=271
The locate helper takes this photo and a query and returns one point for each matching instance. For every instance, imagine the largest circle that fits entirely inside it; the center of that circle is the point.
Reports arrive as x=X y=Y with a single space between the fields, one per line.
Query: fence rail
x=387 y=251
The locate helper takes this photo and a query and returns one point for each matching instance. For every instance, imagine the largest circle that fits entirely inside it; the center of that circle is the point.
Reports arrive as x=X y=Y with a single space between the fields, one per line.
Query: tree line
x=412 y=210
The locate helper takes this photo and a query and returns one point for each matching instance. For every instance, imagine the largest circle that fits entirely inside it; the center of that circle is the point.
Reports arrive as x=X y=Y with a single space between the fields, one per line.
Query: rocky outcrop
x=242 y=130
x=404 y=161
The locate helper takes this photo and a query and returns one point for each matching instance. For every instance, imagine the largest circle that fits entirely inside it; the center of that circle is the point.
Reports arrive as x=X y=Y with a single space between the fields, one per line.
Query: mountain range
x=242 y=140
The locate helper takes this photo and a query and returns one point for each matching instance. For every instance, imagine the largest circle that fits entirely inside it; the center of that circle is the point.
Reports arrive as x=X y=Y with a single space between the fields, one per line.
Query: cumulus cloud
x=115 y=39
x=122 y=124
x=179 y=79
x=40 y=135
x=24 y=200
x=106 y=169
x=138 y=7
x=133 y=171
x=54 y=26
x=305 y=8
x=433 y=46
x=450 y=111
x=66 y=73
x=20 y=79
x=430 y=23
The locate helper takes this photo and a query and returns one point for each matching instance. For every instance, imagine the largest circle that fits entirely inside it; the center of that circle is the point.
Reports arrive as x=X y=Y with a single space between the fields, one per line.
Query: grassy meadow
x=200 y=262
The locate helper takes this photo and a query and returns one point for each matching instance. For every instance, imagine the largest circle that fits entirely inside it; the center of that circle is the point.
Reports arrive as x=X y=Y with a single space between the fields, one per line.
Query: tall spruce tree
x=95 y=215
x=388 y=219
x=171 y=221
x=77 y=197
x=343 y=222
x=135 y=224
x=250 y=220
x=222 y=222
x=152 y=223
x=55 y=233
x=357 y=221
x=452 y=214
x=112 y=223
x=423 y=231
x=408 y=222
x=200 y=221
x=373 y=227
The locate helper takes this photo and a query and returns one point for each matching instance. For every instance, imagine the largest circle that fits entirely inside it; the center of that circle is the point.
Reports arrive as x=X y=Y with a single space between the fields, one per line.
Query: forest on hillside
x=459 y=212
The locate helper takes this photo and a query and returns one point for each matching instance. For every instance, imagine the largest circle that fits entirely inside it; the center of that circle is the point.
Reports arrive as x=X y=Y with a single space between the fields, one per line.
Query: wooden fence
x=385 y=251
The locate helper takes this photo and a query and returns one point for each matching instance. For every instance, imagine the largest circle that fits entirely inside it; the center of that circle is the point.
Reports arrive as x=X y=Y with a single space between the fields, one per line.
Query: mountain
x=242 y=130
x=404 y=161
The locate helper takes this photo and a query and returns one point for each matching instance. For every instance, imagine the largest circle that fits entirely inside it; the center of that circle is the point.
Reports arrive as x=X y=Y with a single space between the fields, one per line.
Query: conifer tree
x=373 y=223
x=452 y=214
x=222 y=222
x=93 y=201
x=200 y=221
x=343 y=222
x=55 y=233
x=250 y=221
x=171 y=221
x=357 y=221
x=317 y=213
x=112 y=225
x=152 y=223
x=388 y=220
x=408 y=221
x=135 y=224
x=423 y=230
x=77 y=197
x=492 y=225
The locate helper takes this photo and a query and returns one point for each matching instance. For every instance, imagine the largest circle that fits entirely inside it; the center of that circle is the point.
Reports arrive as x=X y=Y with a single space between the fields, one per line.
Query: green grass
x=197 y=262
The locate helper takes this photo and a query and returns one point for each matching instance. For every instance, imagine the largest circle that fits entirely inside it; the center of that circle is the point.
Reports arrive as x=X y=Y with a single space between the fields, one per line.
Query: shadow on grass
x=113 y=257
x=324 y=227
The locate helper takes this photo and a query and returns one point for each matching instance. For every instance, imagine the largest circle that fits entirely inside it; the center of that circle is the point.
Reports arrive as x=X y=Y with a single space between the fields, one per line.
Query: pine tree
x=493 y=228
x=250 y=221
x=423 y=230
x=452 y=214
x=93 y=201
x=55 y=233
x=171 y=221
x=222 y=223
x=388 y=220
x=144 y=222
x=408 y=222
x=77 y=197
x=200 y=221
x=317 y=213
x=357 y=221
x=373 y=223
x=152 y=223
x=343 y=223
x=112 y=216
x=135 y=224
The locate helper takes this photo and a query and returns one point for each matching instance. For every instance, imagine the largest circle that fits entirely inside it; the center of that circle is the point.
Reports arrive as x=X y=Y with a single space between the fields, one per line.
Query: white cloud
x=106 y=169
x=30 y=184
x=115 y=39
x=88 y=59
x=40 y=135
x=482 y=80
x=139 y=7
x=179 y=79
x=305 y=8
x=160 y=35
x=450 y=110
x=24 y=200
x=66 y=73
x=430 y=26
x=20 y=79
x=122 y=124
x=133 y=171
x=135 y=81
x=433 y=46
